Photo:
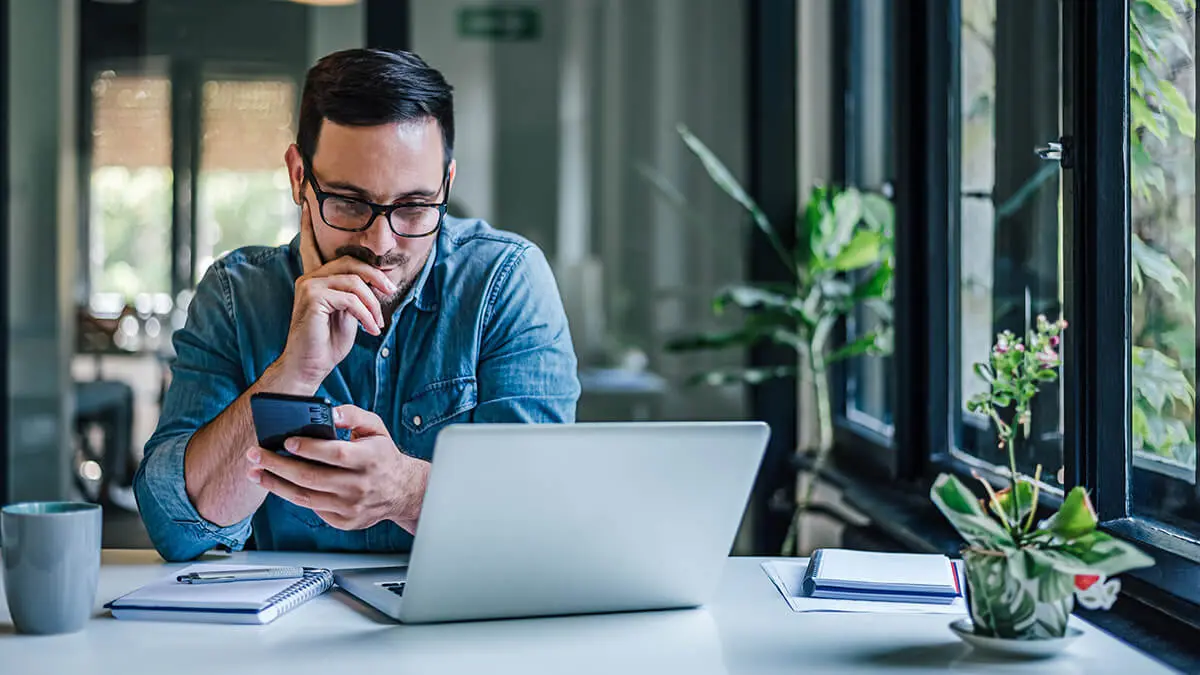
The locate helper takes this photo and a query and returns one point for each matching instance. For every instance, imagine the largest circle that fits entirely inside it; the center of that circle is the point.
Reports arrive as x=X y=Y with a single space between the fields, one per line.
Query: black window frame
x=1096 y=240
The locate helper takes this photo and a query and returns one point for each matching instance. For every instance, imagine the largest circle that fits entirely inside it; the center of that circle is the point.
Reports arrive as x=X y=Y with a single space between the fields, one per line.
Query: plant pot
x=1005 y=604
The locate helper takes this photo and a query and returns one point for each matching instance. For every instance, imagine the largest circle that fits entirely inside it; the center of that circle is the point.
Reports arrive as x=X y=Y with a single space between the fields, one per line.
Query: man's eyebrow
x=346 y=187
x=366 y=196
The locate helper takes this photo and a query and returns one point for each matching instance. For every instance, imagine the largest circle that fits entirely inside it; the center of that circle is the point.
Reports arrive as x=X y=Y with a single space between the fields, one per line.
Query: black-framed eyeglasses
x=412 y=220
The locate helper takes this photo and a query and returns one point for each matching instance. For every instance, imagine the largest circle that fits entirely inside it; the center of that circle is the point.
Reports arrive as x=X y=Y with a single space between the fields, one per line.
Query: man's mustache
x=393 y=259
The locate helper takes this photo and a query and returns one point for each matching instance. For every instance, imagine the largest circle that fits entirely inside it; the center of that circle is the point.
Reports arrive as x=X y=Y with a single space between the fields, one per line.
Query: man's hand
x=331 y=301
x=357 y=484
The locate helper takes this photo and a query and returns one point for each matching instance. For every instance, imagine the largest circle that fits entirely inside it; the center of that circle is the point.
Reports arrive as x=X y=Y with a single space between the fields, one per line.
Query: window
x=1009 y=208
x=131 y=182
x=1163 y=251
x=244 y=193
x=868 y=157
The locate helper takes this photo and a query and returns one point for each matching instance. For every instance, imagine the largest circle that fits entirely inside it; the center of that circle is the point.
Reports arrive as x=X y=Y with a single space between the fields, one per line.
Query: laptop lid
x=531 y=520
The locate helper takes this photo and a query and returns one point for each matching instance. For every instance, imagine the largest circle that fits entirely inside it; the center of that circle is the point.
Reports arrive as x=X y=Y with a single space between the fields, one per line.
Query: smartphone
x=278 y=417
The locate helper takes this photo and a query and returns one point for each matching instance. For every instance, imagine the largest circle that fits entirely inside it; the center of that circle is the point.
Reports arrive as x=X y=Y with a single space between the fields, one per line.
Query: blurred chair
x=107 y=406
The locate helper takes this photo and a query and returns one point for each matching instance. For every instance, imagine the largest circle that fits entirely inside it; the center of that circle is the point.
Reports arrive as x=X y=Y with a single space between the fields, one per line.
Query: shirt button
x=416 y=420
x=385 y=352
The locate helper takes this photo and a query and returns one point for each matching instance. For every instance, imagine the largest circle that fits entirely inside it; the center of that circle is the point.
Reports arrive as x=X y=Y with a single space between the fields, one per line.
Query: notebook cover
x=234 y=602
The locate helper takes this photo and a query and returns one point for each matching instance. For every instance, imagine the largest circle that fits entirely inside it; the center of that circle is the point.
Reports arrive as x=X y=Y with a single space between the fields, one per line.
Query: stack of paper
x=790 y=576
x=839 y=574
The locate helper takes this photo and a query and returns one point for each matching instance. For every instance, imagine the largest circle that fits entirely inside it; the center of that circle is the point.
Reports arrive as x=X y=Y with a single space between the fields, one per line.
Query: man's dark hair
x=369 y=87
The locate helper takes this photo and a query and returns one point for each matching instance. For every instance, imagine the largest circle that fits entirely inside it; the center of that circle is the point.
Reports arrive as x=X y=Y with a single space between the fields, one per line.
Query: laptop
x=524 y=520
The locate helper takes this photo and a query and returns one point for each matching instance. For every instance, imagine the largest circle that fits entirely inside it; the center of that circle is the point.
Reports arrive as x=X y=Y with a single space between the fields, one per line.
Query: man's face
x=386 y=164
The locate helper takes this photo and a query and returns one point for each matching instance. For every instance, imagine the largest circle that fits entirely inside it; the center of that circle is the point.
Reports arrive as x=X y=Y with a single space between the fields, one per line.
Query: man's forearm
x=214 y=465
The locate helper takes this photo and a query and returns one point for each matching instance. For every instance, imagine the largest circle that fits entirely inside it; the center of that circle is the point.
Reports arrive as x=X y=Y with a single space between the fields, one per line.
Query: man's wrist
x=412 y=491
x=280 y=378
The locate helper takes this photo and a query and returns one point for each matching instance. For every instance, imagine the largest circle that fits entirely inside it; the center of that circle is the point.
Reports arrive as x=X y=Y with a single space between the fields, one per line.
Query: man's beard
x=395 y=259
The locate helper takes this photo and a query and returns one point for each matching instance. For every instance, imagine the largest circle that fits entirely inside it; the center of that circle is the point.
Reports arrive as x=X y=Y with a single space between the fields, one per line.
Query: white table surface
x=748 y=628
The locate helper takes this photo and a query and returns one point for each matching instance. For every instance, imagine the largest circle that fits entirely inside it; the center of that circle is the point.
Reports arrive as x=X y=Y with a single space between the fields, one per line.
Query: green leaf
x=869 y=343
x=1107 y=555
x=1143 y=118
x=1046 y=375
x=847 y=213
x=1178 y=106
x=1075 y=518
x=724 y=179
x=963 y=511
x=754 y=297
x=878 y=285
x=1158 y=266
x=1163 y=8
x=742 y=337
x=1002 y=506
x=1052 y=572
x=878 y=213
x=743 y=375
x=1157 y=378
x=864 y=249
x=985 y=372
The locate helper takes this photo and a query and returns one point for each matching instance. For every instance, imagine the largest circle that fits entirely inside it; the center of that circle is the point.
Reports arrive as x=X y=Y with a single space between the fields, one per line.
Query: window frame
x=1096 y=238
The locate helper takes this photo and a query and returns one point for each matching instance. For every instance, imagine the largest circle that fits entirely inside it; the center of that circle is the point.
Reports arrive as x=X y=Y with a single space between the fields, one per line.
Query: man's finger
x=310 y=253
x=334 y=453
x=303 y=474
x=341 y=301
x=362 y=422
x=309 y=499
x=372 y=275
x=352 y=283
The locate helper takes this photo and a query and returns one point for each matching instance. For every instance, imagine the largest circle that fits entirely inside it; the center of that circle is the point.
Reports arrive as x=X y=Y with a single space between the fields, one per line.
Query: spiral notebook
x=256 y=602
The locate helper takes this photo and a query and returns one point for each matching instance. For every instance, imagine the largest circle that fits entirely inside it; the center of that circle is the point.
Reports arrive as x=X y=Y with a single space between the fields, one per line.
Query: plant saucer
x=1027 y=649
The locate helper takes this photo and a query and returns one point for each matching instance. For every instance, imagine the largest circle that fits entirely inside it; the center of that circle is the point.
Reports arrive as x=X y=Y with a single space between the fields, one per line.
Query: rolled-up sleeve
x=206 y=377
x=527 y=367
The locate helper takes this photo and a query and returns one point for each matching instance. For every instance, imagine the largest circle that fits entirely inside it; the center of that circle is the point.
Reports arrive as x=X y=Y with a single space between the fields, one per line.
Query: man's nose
x=378 y=236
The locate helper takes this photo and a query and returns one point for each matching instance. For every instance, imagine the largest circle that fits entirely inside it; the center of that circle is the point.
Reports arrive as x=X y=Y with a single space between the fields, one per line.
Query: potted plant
x=1023 y=576
x=841 y=259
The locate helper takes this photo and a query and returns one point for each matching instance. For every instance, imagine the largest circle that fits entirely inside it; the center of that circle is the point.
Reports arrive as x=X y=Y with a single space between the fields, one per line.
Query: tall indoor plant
x=841 y=259
x=1024 y=575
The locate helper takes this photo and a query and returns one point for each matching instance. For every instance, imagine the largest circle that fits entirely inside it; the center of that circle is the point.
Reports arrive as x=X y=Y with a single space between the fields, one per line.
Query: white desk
x=747 y=629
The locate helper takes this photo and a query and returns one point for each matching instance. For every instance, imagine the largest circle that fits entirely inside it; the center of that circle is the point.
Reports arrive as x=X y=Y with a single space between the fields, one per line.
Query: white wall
x=466 y=66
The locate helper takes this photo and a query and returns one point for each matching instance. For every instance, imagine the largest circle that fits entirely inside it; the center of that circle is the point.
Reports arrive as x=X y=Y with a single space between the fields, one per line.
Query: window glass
x=244 y=195
x=130 y=198
x=1163 y=247
x=868 y=167
x=1009 y=208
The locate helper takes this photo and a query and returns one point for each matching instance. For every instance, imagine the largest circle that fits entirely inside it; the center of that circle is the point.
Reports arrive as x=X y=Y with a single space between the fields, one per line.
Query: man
x=407 y=318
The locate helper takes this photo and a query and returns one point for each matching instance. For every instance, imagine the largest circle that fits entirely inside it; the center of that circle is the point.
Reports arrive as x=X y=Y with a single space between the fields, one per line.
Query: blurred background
x=145 y=139
x=160 y=126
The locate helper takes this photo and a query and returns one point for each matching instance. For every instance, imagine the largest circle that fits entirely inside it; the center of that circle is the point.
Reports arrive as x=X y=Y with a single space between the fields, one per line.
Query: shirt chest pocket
x=432 y=408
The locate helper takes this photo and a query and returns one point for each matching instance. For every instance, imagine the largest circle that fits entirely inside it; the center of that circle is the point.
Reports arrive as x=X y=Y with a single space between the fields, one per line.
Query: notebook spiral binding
x=316 y=581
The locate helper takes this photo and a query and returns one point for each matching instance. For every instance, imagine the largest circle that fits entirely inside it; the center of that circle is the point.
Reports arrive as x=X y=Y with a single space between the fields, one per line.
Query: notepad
x=840 y=574
x=254 y=602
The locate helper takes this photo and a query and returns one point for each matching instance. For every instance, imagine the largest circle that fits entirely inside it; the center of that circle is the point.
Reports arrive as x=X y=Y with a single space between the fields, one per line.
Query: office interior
x=1039 y=158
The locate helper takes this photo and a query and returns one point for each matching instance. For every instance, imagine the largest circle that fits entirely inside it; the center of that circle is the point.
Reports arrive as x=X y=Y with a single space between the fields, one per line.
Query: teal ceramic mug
x=51 y=557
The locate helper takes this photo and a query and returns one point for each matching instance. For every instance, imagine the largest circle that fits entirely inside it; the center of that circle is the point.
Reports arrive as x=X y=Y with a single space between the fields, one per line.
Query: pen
x=222 y=576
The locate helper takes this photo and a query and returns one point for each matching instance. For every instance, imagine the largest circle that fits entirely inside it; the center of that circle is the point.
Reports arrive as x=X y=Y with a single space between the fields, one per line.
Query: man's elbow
x=175 y=541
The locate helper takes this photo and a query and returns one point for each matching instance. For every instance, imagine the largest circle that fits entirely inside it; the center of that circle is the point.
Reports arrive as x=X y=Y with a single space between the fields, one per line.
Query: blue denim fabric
x=482 y=337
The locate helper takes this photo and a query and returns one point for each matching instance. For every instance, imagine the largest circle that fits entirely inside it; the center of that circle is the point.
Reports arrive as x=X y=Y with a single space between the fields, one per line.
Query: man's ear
x=295 y=167
x=450 y=171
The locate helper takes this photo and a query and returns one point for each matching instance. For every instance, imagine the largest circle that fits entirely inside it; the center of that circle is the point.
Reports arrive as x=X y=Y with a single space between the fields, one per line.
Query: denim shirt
x=481 y=337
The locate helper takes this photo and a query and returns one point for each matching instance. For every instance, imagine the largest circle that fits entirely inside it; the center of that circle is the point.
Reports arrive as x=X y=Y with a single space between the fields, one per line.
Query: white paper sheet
x=788 y=577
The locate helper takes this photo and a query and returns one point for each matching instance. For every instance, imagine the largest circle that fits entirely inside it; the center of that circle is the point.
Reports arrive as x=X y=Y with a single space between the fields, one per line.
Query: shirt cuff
x=178 y=531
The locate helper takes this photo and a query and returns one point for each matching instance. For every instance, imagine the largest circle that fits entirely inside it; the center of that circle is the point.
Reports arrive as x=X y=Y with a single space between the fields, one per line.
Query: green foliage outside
x=1162 y=158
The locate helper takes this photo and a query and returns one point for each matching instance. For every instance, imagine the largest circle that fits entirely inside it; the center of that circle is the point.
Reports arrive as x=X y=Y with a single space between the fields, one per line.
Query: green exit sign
x=506 y=23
